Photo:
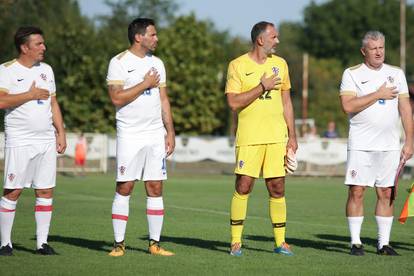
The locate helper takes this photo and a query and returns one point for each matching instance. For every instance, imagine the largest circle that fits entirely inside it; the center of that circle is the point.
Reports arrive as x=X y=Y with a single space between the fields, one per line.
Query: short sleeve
x=286 y=79
x=5 y=82
x=403 y=89
x=163 y=75
x=348 y=86
x=52 y=83
x=115 y=75
x=233 y=84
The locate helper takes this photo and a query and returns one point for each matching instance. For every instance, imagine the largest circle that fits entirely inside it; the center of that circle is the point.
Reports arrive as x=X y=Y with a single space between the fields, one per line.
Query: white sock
x=355 y=224
x=120 y=212
x=384 y=230
x=155 y=217
x=43 y=216
x=7 y=211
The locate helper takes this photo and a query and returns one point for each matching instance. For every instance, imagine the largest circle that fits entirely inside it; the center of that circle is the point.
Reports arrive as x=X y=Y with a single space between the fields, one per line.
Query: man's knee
x=356 y=193
x=276 y=187
x=244 y=184
x=12 y=194
x=44 y=193
x=384 y=193
x=154 y=188
x=124 y=188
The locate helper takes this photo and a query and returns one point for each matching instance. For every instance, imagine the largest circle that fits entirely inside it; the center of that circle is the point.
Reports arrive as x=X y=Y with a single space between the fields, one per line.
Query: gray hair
x=373 y=35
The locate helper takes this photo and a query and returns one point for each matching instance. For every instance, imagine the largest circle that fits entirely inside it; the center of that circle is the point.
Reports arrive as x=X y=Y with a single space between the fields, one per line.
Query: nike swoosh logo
x=20 y=79
x=129 y=71
x=248 y=74
x=364 y=82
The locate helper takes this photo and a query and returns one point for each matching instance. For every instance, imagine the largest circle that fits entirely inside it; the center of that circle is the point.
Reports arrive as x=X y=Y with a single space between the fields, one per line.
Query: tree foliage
x=72 y=51
x=196 y=56
x=79 y=51
x=334 y=29
x=324 y=78
x=194 y=64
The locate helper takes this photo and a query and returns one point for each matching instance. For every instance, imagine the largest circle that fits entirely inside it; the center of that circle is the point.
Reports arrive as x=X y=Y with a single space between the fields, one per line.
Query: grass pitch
x=196 y=228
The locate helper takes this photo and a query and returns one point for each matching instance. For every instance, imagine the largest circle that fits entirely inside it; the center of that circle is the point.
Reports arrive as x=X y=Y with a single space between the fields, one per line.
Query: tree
x=334 y=29
x=162 y=11
x=332 y=34
x=194 y=64
x=195 y=56
x=72 y=51
x=289 y=36
x=324 y=102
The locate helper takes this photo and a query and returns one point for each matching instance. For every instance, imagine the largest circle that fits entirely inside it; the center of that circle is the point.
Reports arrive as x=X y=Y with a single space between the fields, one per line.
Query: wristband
x=263 y=87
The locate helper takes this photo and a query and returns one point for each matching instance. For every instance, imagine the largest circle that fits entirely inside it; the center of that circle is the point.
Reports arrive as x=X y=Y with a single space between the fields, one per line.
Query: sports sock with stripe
x=43 y=216
x=277 y=211
x=120 y=213
x=155 y=217
x=7 y=212
x=238 y=213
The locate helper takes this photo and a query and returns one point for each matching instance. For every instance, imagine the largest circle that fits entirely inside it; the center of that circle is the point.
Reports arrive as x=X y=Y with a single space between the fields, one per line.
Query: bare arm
x=120 y=96
x=58 y=123
x=241 y=100
x=168 y=121
x=235 y=122
x=12 y=100
x=354 y=104
x=288 y=114
x=404 y=108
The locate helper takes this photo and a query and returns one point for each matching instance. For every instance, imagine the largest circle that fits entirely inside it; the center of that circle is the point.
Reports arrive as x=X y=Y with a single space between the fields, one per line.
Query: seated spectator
x=330 y=131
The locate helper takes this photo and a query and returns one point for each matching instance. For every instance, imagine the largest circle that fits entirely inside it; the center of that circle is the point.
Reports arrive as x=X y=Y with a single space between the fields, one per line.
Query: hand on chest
x=22 y=82
x=251 y=78
x=370 y=84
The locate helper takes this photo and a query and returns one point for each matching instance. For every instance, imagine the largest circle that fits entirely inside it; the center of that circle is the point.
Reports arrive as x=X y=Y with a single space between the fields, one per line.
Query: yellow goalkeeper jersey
x=262 y=121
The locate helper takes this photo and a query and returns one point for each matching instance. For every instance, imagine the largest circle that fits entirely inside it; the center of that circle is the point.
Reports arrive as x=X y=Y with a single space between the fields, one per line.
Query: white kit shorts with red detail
x=142 y=158
x=30 y=166
x=372 y=168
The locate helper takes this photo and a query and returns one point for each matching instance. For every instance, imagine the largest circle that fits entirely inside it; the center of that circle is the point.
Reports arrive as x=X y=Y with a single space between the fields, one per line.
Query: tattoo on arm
x=166 y=121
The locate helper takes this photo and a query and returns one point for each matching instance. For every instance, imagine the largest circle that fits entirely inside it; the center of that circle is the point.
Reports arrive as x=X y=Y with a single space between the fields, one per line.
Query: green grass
x=197 y=229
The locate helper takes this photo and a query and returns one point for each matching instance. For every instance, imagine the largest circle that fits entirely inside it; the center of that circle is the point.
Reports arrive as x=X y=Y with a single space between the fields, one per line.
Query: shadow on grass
x=195 y=242
x=96 y=245
x=304 y=243
x=331 y=243
x=366 y=240
x=18 y=247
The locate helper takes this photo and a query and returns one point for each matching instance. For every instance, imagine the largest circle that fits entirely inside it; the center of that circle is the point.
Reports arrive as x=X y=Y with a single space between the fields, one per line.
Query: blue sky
x=237 y=16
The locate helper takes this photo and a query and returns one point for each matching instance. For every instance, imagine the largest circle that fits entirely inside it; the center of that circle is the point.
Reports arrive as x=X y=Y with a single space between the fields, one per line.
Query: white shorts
x=30 y=166
x=141 y=158
x=372 y=168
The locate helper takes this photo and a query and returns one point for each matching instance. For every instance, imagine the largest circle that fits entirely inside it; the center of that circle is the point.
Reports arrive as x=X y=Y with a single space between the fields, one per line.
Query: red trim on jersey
x=4 y=210
x=43 y=208
x=155 y=212
x=120 y=217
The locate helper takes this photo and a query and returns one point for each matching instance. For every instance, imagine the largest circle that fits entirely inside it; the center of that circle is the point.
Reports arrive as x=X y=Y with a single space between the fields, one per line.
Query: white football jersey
x=375 y=128
x=31 y=122
x=142 y=115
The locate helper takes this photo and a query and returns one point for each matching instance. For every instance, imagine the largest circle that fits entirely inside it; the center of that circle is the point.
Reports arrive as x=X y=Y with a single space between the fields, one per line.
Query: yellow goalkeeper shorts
x=267 y=158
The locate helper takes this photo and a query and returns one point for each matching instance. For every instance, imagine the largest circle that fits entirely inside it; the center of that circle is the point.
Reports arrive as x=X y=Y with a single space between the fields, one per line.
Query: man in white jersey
x=34 y=133
x=374 y=95
x=145 y=132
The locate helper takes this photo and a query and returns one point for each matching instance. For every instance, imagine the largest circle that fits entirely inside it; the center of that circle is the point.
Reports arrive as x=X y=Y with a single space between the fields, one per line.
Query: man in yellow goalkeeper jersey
x=258 y=89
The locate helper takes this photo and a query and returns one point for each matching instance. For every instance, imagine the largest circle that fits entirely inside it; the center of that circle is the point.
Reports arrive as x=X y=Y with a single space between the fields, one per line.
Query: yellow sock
x=237 y=216
x=277 y=210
